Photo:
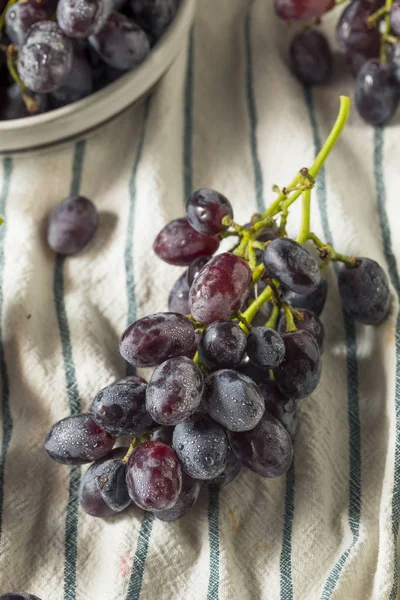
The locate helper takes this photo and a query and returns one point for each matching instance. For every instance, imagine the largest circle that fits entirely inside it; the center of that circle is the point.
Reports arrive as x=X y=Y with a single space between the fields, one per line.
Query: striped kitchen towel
x=228 y=115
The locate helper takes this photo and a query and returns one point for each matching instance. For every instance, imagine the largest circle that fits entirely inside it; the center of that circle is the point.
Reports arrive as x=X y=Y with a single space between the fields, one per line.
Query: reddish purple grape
x=12 y=105
x=120 y=409
x=18 y=596
x=300 y=371
x=174 y=391
x=45 y=57
x=233 y=400
x=90 y=496
x=77 y=440
x=354 y=34
x=265 y=347
x=82 y=18
x=314 y=302
x=292 y=265
x=222 y=345
x=365 y=291
x=178 y=299
x=154 y=476
x=377 y=92
x=205 y=210
x=121 y=43
x=282 y=408
x=231 y=471
x=311 y=58
x=201 y=446
x=305 y=320
x=220 y=289
x=195 y=267
x=151 y=340
x=186 y=500
x=179 y=244
x=302 y=10
x=266 y=450
x=20 y=17
x=72 y=224
x=154 y=15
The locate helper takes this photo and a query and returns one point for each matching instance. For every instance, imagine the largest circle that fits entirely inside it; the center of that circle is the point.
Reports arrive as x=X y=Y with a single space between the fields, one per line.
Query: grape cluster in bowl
x=239 y=348
x=56 y=52
x=368 y=31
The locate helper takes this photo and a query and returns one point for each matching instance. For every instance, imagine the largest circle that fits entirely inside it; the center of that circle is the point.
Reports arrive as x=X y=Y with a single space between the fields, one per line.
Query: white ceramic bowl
x=81 y=117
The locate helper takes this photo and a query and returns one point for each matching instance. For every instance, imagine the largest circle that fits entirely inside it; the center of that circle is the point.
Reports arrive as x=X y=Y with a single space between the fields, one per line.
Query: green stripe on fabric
x=286 y=583
x=128 y=254
x=142 y=547
x=71 y=521
x=188 y=127
x=353 y=409
x=5 y=384
x=213 y=534
x=395 y=279
x=251 y=107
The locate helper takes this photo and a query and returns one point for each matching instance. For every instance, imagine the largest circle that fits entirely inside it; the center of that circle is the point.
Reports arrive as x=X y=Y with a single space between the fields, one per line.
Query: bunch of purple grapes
x=368 y=32
x=225 y=391
x=55 y=52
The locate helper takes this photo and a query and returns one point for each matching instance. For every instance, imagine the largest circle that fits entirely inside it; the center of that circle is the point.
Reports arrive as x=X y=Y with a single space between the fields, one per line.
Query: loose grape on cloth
x=228 y=115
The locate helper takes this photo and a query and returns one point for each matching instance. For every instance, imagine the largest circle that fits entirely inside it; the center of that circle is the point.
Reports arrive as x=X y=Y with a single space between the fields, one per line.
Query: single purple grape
x=154 y=476
x=178 y=299
x=231 y=471
x=377 y=92
x=82 y=18
x=72 y=224
x=314 y=302
x=205 y=210
x=305 y=320
x=311 y=58
x=154 y=15
x=292 y=265
x=265 y=347
x=353 y=33
x=282 y=408
x=222 y=345
x=195 y=267
x=121 y=43
x=302 y=10
x=111 y=480
x=220 y=289
x=151 y=340
x=179 y=244
x=20 y=17
x=300 y=371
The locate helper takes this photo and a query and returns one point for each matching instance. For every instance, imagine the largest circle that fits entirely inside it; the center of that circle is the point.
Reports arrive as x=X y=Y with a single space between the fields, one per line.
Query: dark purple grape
x=282 y=408
x=111 y=480
x=365 y=291
x=82 y=18
x=179 y=244
x=72 y=224
x=265 y=347
x=394 y=61
x=256 y=373
x=178 y=299
x=205 y=210
x=231 y=471
x=299 y=373
x=266 y=450
x=77 y=440
x=201 y=446
x=302 y=10
x=222 y=345
x=195 y=268
x=19 y=17
x=395 y=18
x=12 y=105
x=151 y=340
x=305 y=320
x=45 y=57
x=120 y=409
x=267 y=234
x=311 y=58
x=121 y=43
x=154 y=15
x=174 y=391
x=220 y=289
x=354 y=34
x=314 y=302
x=154 y=476
x=77 y=85
x=186 y=500
x=233 y=400
x=164 y=435
x=292 y=265
x=90 y=496
x=377 y=92
x=18 y=596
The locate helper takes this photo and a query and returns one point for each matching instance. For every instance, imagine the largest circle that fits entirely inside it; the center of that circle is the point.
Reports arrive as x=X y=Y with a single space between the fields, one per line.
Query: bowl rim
x=185 y=6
